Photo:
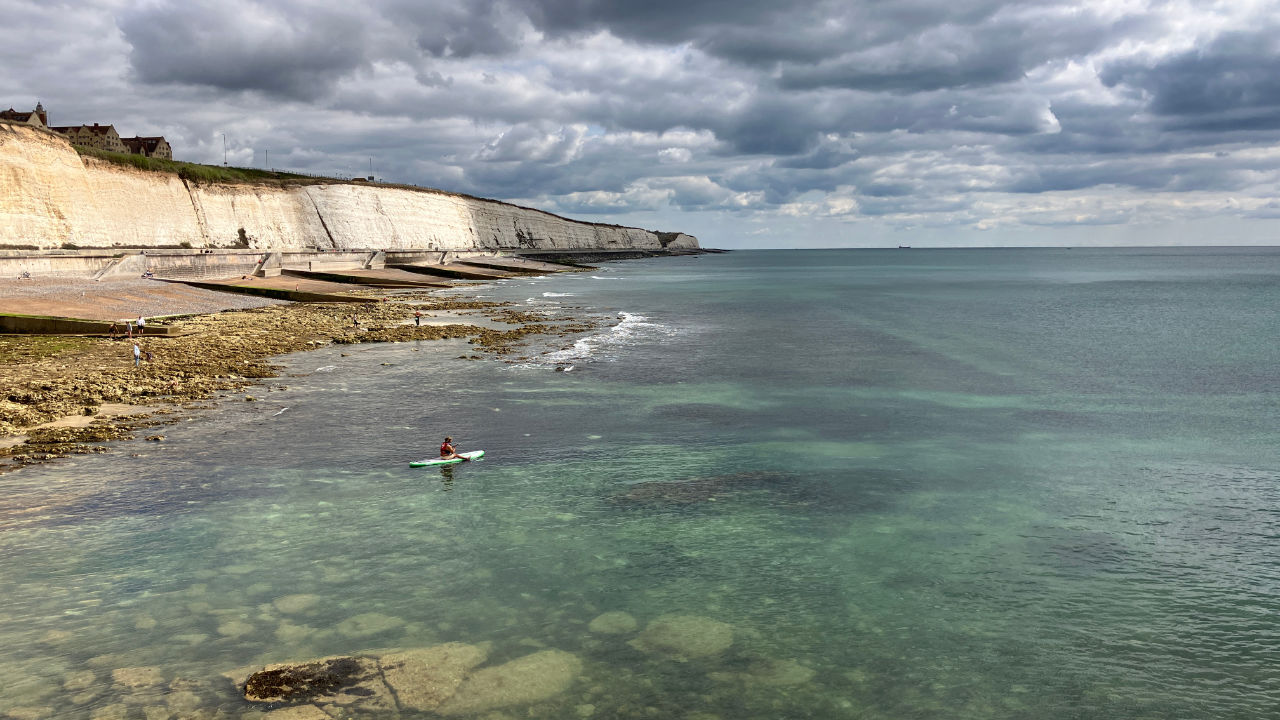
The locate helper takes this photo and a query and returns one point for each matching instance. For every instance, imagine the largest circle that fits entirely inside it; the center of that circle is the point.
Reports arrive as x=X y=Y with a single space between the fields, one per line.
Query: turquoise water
x=944 y=483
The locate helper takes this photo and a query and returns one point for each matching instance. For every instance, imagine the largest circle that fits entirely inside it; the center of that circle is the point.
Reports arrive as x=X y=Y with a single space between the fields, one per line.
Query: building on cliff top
x=36 y=117
x=100 y=137
x=156 y=147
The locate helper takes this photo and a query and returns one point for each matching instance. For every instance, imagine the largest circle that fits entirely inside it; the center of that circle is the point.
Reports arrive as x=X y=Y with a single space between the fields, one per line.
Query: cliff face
x=50 y=195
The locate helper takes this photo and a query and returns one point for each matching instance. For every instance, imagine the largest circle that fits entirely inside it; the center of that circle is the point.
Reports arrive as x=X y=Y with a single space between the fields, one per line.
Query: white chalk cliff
x=51 y=196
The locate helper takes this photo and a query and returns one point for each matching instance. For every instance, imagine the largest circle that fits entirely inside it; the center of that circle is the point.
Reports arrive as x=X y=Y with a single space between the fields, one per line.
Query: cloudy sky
x=749 y=123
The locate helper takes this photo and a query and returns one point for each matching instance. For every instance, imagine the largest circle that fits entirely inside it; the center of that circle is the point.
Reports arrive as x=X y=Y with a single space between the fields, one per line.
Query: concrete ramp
x=108 y=300
x=125 y=266
x=283 y=287
x=381 y=278
x=517 y=265
x=577 y=257
x=457 y=271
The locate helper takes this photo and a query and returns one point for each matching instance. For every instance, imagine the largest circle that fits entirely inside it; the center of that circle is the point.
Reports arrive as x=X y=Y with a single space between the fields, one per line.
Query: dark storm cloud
x=773 y=125
x=301 y=49
x=243 y=45
x=1231 y=84
x=762 y=32
x=656 y=21
x=823 y=157
x=1000 y=49
x=458 y=28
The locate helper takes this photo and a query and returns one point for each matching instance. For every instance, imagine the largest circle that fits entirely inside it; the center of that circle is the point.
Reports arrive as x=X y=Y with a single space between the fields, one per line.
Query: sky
x=748 y=123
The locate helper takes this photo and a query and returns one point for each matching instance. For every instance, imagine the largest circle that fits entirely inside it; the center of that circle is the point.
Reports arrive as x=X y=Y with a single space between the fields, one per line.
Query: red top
x=446 y=449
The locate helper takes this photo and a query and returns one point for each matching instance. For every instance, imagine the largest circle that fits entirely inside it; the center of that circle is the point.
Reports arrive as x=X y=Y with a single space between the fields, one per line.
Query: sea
x=906 y=483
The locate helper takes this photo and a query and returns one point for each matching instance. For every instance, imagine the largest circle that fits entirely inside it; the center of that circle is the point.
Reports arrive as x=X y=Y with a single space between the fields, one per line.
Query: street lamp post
x=224 y=148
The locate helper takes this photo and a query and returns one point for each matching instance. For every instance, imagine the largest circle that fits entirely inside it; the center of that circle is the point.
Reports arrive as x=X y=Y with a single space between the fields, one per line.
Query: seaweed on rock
x=299 y=683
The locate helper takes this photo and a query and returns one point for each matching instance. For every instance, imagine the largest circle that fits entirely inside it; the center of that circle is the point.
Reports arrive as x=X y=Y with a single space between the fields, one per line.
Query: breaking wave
x=604 y=346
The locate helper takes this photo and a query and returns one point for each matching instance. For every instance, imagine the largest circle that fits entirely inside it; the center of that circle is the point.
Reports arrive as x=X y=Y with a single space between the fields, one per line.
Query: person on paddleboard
x=449 y=452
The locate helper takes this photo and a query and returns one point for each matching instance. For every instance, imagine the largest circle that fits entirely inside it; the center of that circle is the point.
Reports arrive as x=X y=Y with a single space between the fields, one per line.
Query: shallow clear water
x=967 y=483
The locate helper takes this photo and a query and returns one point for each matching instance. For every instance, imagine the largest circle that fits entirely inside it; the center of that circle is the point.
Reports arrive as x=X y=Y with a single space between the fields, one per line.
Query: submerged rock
x=438 y=679
x=303 y=712
x=293 y=604
x=613 y=623
x=156 y=712
x=55 y=637
x=79 y=680
x=114 y=711
x=30 y=712
x=183 y=702
x=423 y=679
x=137 y=678
x=684 y=637
x=367 y=624
x=780 y=672
x=697 y=489
x=522 y=681
x=292 y=634
x=235 y=628
x=772 y=672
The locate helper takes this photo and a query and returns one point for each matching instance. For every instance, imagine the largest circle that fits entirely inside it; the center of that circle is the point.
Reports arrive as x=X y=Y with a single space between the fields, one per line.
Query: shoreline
x=68 y=395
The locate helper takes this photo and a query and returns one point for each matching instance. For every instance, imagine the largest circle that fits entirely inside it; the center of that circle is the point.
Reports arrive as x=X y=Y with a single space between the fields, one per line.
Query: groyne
x=52 y=197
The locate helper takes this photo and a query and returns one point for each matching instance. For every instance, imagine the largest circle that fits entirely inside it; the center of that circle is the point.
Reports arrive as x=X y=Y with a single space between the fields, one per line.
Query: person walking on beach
x=142 y=325
x=417 y=318
x=137 y=356
x=449 y=452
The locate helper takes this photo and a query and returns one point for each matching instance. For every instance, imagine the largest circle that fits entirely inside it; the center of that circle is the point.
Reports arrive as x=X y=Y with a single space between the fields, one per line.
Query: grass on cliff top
x=195 y=172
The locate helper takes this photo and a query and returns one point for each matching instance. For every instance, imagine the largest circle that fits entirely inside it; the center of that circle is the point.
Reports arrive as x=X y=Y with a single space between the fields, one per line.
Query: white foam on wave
x=551 y=294
x=632 y=330
x=597 y=277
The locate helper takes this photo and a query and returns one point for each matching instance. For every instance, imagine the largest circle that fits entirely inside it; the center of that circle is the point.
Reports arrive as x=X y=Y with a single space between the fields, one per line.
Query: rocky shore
x=67 y=395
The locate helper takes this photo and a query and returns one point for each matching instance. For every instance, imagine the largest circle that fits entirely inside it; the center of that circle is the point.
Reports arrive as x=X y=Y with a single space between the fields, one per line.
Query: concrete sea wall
x=52 y=197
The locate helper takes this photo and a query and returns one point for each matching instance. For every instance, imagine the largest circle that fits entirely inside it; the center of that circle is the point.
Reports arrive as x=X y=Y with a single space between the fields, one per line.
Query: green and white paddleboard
x=474 y=455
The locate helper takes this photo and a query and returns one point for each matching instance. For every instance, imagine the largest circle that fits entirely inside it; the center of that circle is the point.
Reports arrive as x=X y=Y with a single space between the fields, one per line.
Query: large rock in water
x=303 y=681
x=353 y=683
x=435 y=679
x=613 y=623
x=522 y=681
x=423 y=679
x=684 y=637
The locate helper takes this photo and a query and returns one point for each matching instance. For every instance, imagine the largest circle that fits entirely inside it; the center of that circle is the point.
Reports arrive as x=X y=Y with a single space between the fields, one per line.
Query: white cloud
x=669 y=156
